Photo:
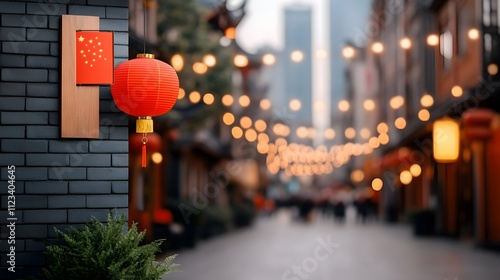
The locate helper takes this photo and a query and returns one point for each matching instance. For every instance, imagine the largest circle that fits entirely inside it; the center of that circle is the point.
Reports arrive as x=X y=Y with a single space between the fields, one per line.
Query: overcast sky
x=262 y=25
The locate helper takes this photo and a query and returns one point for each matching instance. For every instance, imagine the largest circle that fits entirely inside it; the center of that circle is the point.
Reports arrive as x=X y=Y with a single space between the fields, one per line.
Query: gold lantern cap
x=145 y=55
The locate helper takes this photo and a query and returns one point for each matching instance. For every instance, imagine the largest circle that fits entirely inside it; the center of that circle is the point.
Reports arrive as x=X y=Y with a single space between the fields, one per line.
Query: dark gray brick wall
x=26 y=48
x=42 y=131
x=67 y=201
x=12 y=60
x=43 y=90
x=12 y=89
x=11 y=103
x=90 y=160
x=59 y=182
x=12 y=132
x=24 y=118
x=87 y=187
x=119 y=186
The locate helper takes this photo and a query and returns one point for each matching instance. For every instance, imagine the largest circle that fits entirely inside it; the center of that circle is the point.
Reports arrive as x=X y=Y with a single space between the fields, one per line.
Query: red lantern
x=145 y=87
x=477 y=124
x=482 y=117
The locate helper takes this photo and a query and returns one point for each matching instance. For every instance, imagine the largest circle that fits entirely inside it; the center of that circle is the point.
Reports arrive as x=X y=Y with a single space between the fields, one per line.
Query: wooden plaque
x=79 y=104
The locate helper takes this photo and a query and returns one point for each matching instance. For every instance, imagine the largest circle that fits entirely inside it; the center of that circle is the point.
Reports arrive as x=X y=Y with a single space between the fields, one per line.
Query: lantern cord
x=144 y=154
x=145 y=6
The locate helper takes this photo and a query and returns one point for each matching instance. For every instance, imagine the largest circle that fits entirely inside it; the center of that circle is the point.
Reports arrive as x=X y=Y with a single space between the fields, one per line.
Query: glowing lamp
x=446 y=140
x=145 y=87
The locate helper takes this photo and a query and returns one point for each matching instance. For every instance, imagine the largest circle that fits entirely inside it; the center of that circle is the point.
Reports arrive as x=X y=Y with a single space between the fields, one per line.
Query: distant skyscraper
x=348 y=22
x=297 y=61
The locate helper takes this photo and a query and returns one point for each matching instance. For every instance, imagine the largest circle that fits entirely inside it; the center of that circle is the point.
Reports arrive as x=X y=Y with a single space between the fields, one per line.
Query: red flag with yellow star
x=94 y=58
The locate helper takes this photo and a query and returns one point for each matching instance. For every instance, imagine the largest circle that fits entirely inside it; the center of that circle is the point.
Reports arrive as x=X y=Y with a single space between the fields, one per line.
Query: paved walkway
x=278 y=248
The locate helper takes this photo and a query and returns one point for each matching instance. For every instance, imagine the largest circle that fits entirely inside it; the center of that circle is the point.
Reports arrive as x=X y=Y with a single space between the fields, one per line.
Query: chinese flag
x=94 y=58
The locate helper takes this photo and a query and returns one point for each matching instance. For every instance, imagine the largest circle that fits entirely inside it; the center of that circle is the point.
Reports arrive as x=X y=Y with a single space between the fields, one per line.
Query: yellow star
x=81 y=38
x=86 y=62
x=100 y=50
x=93 y=59
x=99 y=56
x=104 y=58
x=99 y=43
x=91 y=65
x=84 y=55
x=90 y=41
x=81 y=51
x=86 y=45
x=88 y=50
x=96 y=37
x=93 y=53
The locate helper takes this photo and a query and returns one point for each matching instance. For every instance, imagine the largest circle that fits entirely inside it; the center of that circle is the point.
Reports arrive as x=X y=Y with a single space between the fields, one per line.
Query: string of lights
x=298 y=159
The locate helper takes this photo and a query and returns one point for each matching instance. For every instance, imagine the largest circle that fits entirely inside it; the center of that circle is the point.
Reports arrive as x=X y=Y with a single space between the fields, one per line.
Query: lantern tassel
x=144 y=154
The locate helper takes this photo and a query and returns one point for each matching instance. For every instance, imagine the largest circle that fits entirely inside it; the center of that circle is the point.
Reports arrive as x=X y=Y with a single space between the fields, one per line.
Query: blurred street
x=360 y=251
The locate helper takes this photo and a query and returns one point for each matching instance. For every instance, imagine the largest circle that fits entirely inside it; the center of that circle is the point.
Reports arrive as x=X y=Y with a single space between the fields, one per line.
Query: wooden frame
x=79 y=104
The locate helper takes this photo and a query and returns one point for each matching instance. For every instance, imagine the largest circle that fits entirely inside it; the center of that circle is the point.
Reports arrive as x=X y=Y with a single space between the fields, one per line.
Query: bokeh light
x=297 y=56
x=194 y=97
x=396 y=102
x=268 y=59
x=415 y=170
x=344 y=105
x=400 y=123
x=244 y=101
x=208 y=98
x=433 y=40
x=209 y=60
x=182 y=93
x=369 y=104
x=377 y=184
x=377 y=47
x=200 y=68
x=237 y=132
x=405 y=43
x=329 y=133
x=240 y=60
x=295 y=105
x=177 y=62
x=260 y=125
x=245 y=122
x=424 y=115
x=382 y=128
x=227 y=100
x=228 y=118
x=457 y=91
x=405 y=177
x=426 y=100
x=265 y=104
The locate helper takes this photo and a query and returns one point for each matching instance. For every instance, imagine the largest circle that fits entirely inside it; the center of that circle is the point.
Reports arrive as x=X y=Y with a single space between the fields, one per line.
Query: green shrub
x=105 y=251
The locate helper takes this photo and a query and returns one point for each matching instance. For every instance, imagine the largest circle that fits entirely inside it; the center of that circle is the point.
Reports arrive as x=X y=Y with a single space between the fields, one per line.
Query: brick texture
x=59 y=182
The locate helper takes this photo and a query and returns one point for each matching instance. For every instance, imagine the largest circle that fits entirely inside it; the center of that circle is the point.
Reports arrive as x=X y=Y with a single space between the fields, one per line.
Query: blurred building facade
x=200 y=177
x=297 y=62
x=450 y=75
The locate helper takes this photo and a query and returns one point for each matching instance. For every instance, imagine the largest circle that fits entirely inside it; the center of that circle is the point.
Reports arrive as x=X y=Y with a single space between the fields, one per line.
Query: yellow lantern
x=446 y=140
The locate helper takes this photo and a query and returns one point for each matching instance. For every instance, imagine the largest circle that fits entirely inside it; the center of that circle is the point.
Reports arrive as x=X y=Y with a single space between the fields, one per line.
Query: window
x=446 y=48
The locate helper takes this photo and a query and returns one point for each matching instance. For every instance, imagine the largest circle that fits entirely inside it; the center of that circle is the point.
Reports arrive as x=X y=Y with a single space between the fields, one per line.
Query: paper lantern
x=145 y=87
x=446 y=140
x=477 y=124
